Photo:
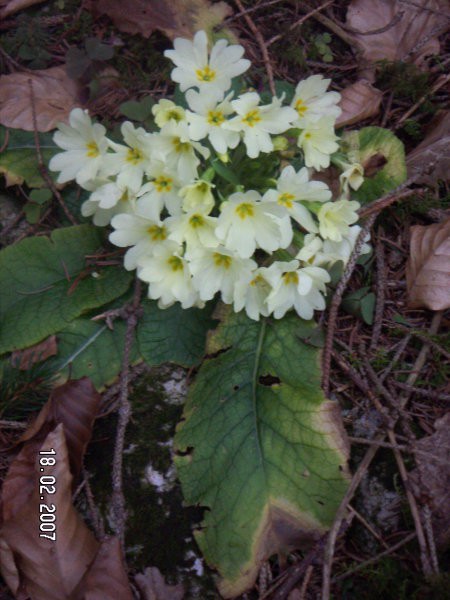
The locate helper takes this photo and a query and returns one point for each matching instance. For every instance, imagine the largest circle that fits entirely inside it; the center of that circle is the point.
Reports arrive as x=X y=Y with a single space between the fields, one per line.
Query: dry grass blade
x=428 y=267
x=49 y=570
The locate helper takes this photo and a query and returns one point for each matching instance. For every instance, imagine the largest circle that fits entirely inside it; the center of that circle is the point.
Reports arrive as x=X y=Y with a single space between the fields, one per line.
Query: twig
x=41 y=164
x=378 y=205
x=96 y=519
x=396 y=357
x=364 y=465
x=367 y=525
x=305 y=582
x=299 y=22
x=424 y=337
x=420 y=392
x=376 y=558
x=117 y=500
x=250 y=10
x=424 y=553
x=381 y=287
x=426 y=512
x=259 y=38
x=336 y=301
x=442 y=81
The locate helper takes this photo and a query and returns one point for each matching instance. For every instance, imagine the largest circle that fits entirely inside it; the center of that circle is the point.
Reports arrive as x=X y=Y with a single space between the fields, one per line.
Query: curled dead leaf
x=179 y=18
x=397 y=30
x=49 y=569
x=55 y=95
x=12 y=6
x=434 y=151
x=74 y=404
x=359 y=101
x=428 y=267
x=153 y=587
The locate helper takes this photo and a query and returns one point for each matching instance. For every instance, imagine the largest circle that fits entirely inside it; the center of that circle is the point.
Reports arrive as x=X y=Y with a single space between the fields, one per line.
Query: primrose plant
x=214 y=199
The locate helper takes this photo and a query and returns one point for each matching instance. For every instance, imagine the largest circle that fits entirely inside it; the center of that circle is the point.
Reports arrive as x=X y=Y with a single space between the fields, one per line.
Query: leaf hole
x=320 y=502
x=189 y=450
x=269 y=380
x=374 y=164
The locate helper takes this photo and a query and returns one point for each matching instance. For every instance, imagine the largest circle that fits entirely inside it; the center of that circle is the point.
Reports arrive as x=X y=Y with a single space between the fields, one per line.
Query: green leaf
x=45 y=284
x=371 y=146
x=96 y=50
x=138 y=111
x=360 y=303
x=174 y=334
x=225 y=172
x=88 y=348
x=41 y=196
x=32 y=212
x=260 y=447
x=18 y=161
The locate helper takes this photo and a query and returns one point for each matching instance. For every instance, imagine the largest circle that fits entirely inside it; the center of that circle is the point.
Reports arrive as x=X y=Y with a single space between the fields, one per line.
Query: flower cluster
x=191 y=226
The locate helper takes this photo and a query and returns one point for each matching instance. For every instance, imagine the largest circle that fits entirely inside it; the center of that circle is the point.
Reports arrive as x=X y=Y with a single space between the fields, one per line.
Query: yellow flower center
x=92 y=150
x=124 y=197
x=196 y=221
x=206 y=74
x=163 y=184
x=180 y=146
x=308 y=136
x=134 y=156
x=257 y=279
x=286 y=200
x=300 y=107
x=175 y=114
x=221 y=260
x=245 y=210
x=175 y=263
x=157 y=233
x=252 y=117
x=290 y=277
x=215 y=117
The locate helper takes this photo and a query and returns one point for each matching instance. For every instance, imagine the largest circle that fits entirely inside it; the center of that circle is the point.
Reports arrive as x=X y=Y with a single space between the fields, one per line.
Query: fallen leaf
x=401 y=30
x=75 y=405
x=24 y=359
x=431 y=479
x=153 y=587
x=13 y=6
x=359 y=101
x=49 y=570
x=433 y=150
x=55 y=95
x=106 y=578
x=179 y=18
x=428 y=267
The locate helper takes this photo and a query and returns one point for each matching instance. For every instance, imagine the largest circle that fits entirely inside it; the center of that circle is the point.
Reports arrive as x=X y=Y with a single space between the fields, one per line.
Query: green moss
x=159 y=527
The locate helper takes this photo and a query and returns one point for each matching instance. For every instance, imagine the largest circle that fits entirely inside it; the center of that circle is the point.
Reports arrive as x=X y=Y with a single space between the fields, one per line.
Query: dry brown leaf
x=405 y=31
x=431 y=479
x=106 y=578
x=13 y=6
x=433 y=150
x=49 y=570
x=55 y=95
x=359 y=101
x=178 y=18
x=428 y=267
x=74 y=404
x=24 y=359
x=153 y=587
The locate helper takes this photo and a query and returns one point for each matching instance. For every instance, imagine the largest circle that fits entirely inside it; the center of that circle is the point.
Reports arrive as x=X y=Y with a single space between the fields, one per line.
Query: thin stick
x=305 y=582
x=420 y=392
x=41 y=164
x=118 y=499
x=377 y=205
x=376 y=558
x=336 y=302
x=442 y=81
x=259 y=38
x=364 y=465
x=381 y=288
x=299 y=22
